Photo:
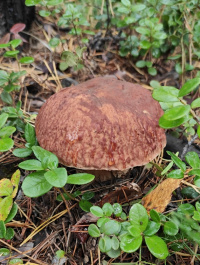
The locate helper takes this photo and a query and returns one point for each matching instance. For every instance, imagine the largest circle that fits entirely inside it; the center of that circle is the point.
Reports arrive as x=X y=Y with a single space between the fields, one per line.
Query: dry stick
x=22 y=253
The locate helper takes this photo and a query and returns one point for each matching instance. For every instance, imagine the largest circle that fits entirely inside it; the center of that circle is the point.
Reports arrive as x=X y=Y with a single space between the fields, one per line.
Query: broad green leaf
x=107 y=209
x=140 y=64
x=112 y=227
x=5 y=207
x=56 y=177
x=22 y=152
x=195 y=104
x=2 y=230
x=114 y=254
x=155 y=84
x=44 y=13
x=32 y=2
x=196 y=216
x=6 y=144
x=105 y=244
x=154 y=216
x=177 y=161
x=94 y=231
x=85 y=205
x=165 y=94
x=88 y=195
x=170 y=228
x=101 y=221
x=197 y=180
x=126 y=3
x=3 y=119
x=11 y=53
x=9 y=234
x=138 y=216
x=17 y=261
x=6 y=97
x=157 y=246
x=194 y=172
x=193 y=160
x=186 y=208
x=137 y=7
x=152 y=71
x=143 y=30
x=152 y=228
x=48 y=159
x=6 y=187
x=16 y=42
x=176 y=112
x=115 y=243
x=26 y=60
x=97 y=211
x=15 y=182
x=12 y=213
x=60 y=254
x=31 y=164
x=3 y=78
x=35 y=184
x=4 y=251
x=30 y=134
x=54 y=2
x=54 y=42
x=130 y=244
x=197 y=205
x=168 y=124
x=7 y=131
x=117 y=209
x=80 y=178
x=134 y=230
x=189 y=86
x=176 y=174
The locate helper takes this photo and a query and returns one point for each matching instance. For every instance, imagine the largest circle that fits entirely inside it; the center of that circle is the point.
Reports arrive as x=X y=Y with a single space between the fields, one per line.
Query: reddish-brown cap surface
x=103 y=123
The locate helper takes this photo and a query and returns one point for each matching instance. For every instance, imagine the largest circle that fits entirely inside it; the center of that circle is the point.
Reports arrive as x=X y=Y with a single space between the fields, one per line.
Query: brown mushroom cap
x=103 y=123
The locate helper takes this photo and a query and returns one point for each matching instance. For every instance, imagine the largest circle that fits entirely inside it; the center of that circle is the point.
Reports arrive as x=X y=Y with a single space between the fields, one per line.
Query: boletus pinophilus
x=101 y=124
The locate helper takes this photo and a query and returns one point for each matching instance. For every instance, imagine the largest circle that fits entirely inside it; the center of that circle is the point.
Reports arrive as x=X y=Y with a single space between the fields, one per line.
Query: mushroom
x=101 y=124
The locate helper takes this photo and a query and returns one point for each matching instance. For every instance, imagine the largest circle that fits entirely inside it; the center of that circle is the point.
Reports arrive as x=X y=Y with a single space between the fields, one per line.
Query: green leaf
x=143 y=31
x=5 y=207
x=3 y=77
x=88 y=195
x=97 y=211
x=30 y=134
x=112 y=227
x=117 y=209
x=80 y=178
x=105 y=244
x=197 y=205
x=115 y=243
x=22 y=152
x=141 y=64
x=60 y=254
x=2 y=230
x=138 y=216
x=54 y=42
x=44 y=13
x=12 y=213
x=176 y=112
x=137 y=7
x=26 y=60
x=32 y=2
x=155 y=84
x=157 y=246
x=177 y=161
x=6 y=187
x=152 y=228
x=54 y=2
x=16 y=261
x=170 y=228
x=166 y=94
x=31 y=164
x=196 y=216
x=152 y=71
x=7 y=131
x=4 y=251
x=189 y=86
x=114 y=254
x=130 y=244
x=154 y=216
x=6 y=97
x=167 y=124
x=3 y=119
x=9 y=234
x=48 y=159
x=6 y=144
x=11 y=53
x=197 y=180
x=101 y=221
x=176 y=174
x=198 y=130
x=94 y=231
x=85 y=205
x=107 y=209
x=196 y=103
x=126 y=3
x=56 y=177
x=35 y=184
x=16 y=42
x=193 y=160
x=134 y=230
x=186 y=208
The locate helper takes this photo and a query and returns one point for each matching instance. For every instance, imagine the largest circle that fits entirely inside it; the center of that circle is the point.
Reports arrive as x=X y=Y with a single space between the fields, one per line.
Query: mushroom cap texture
x=103 y=123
